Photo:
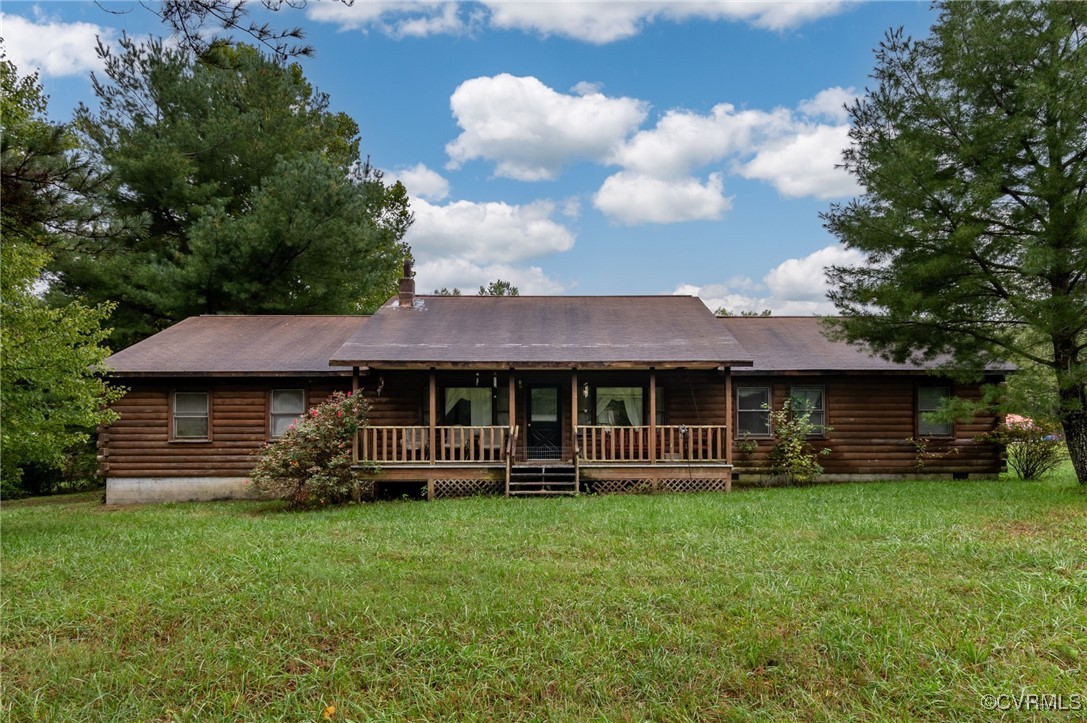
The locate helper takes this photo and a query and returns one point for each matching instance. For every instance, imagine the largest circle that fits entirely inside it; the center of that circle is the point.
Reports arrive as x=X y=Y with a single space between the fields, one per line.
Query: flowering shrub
x=1034 y=447
x=311 y=462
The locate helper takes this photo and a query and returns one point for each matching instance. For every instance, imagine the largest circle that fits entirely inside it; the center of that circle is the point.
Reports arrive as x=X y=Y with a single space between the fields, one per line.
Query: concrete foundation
x=135 y=490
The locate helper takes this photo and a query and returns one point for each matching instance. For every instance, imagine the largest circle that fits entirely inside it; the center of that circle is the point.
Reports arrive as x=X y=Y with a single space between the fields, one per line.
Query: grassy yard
x=866 y=601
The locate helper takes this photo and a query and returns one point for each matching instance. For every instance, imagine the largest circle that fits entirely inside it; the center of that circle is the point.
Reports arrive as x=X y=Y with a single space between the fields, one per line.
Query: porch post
x=573 y=413
x=513 y=405
x=433 y=416
x=355 y=391
x=728 y=415
x=652 y=415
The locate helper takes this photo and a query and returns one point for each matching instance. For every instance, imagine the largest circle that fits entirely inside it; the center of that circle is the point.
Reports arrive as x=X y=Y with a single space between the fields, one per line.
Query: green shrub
x=792 y=458
x=311 y=462
x=1033 y=447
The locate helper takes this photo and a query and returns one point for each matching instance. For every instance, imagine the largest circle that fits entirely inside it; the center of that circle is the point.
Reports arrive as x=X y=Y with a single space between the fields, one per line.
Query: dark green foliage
x=972 y=150
x=498 y=287
x=50 y=395
x=249 y=193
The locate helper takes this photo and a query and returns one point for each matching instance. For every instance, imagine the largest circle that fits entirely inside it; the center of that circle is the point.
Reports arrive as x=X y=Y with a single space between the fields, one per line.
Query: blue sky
x=578 y=148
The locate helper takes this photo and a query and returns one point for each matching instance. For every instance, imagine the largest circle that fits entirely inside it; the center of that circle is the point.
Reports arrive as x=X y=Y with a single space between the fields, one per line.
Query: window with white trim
x=191 y=415
x=932 y=399
x=286 y=407
x=753 y=411
x=810 y=400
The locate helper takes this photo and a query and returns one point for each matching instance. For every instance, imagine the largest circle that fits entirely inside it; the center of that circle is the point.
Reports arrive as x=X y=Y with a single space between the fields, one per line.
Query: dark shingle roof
x=230 y=345
x=531 y=331
x=799 y=344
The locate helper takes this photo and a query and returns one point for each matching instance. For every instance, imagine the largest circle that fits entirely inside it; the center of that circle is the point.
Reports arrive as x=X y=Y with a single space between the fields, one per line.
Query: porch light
x=477 y=379
x=585 y=390
x=494 y=381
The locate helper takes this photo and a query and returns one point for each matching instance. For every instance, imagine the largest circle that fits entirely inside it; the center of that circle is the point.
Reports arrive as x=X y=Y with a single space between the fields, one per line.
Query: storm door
x=544 y=438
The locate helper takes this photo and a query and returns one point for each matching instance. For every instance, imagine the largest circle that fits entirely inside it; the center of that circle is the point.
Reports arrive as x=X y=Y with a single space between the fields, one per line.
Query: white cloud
x=486 y=233
x=468 y=277
x=591 y=22
x=420 y=181
x=803 y=164
x=829 y=103
x=795 y=287
x=529 y=130
x=56 y=48
x=606 y=22
x=683 y=141
x=804 y=279
x=398 y=19
x=633 y=198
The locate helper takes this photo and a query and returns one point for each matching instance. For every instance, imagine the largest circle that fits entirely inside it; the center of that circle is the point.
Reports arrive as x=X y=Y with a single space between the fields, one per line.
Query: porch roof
x=236 y=345
x=543 y=331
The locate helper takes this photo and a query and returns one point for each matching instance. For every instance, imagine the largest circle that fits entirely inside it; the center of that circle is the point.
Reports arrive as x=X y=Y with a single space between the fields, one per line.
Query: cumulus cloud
x=398 y=19
x=795 y=287
x=606 y=22
x=804 y=163
x=805 y=279
x=633 y=198
x=420 y=181
x=53 y=47
x=468 y=277
x=591 y=22
x=530 y=130
x=486 y=233
x=682 y=140
x=829 y=103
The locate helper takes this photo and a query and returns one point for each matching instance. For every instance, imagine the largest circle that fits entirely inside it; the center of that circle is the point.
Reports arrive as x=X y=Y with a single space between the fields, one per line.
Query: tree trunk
x=1075 y=436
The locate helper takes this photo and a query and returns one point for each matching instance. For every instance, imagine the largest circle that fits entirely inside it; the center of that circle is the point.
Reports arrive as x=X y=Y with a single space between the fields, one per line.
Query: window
x=191 y=415
x=932 y=399
x=810 y=400
x=469 y=406
x=619 y=406
x=287 y=406
x=753 y=411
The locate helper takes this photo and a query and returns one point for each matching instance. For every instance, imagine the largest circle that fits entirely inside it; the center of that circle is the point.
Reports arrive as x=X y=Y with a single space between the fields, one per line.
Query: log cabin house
x=524 y=395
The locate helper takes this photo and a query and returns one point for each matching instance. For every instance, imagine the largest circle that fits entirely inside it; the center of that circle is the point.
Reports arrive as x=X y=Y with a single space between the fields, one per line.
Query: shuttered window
x=190 y=415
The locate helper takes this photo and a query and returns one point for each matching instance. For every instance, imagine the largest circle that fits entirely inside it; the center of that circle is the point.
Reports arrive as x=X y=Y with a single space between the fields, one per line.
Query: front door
x=544 y=423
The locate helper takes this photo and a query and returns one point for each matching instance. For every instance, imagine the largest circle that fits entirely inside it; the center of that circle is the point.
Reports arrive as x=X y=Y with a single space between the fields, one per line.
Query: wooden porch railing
x=407 y=445
x=674 y=443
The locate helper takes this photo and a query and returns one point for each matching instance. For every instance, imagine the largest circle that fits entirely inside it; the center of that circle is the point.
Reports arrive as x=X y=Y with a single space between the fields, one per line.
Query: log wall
x=139 y=445
x=873 y=421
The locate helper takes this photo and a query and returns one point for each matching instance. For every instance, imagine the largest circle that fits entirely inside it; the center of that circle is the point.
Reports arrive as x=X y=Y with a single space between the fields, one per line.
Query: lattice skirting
x=645 y=486
x=467 y=487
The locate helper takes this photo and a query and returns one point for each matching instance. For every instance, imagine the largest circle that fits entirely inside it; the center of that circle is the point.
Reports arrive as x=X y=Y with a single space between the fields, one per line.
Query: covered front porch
x=548 y=431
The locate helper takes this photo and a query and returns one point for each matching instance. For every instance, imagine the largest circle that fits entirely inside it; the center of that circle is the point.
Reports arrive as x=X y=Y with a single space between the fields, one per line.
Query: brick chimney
x=407 y=287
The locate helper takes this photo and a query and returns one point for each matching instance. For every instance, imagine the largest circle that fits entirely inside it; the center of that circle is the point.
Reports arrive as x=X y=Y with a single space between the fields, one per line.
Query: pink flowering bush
x=1034 y=447
x=311 y=463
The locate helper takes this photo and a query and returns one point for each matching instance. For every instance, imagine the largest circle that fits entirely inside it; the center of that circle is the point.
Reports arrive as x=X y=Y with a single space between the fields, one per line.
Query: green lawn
x=867 y=601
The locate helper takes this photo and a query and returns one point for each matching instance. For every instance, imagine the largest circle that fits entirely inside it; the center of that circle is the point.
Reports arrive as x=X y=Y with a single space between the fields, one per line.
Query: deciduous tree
x=50 y=394
x=972 y=152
